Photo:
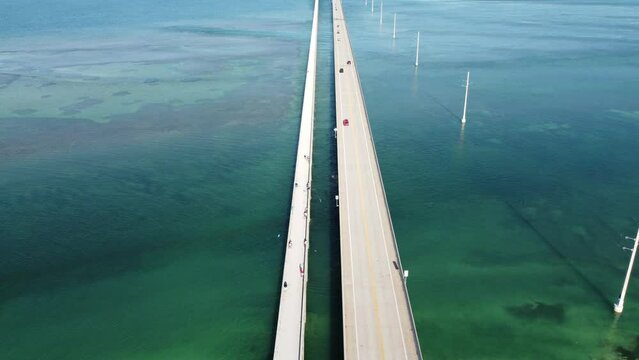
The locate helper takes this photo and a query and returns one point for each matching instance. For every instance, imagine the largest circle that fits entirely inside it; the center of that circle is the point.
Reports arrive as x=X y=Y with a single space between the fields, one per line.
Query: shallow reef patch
x=538 y=311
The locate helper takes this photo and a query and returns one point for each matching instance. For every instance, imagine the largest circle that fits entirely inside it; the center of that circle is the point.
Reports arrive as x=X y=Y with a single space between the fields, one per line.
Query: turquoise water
x=147 y=150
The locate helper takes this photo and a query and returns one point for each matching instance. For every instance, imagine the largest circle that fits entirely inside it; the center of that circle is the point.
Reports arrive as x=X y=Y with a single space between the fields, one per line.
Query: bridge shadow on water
x=336 y=325
x=602 y=297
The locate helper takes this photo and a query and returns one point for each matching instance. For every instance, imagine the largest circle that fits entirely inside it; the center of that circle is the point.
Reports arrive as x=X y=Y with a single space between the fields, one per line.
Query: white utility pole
x=463 y=119
x=381 y=12
x=619 y=303
x=417 y=53
x=394 y=23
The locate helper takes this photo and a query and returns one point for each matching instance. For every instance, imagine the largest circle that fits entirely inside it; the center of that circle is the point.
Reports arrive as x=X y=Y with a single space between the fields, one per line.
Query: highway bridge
x=291 y=321
x=377 y=316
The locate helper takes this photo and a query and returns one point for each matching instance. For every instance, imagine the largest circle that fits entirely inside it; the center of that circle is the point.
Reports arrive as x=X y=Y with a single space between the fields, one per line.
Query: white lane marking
x=350 y=243
x=361 y=101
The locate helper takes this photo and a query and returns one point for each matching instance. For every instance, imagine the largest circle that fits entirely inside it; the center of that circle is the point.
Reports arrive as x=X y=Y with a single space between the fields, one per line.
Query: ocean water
x=147 y=151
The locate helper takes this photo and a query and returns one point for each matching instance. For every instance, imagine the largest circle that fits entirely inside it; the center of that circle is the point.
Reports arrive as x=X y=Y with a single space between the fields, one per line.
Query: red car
x=345 y=122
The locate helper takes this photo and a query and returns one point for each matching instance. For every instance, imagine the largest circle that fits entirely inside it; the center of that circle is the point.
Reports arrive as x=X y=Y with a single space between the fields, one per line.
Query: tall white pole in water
x=417 y=53
x=463 y=119
x=372 y=6
x=619 y=304
x=394 y=23
x=365 y=2
x=381 y=12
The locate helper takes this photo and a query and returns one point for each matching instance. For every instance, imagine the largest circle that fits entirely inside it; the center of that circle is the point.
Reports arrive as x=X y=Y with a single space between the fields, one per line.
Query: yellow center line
x=369 y=263
x=347 y=221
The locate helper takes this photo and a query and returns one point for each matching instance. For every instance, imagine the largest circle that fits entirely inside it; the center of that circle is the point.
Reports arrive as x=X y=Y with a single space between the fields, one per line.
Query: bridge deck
x=289 y=338
x=378 y=320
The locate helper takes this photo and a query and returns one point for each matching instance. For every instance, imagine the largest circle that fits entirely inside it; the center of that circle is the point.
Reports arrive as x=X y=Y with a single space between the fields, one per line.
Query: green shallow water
x=147 y=152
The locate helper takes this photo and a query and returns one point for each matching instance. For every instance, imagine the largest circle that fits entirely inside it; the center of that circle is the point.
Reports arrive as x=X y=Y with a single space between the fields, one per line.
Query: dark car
x=341 y=70
x=348 y=62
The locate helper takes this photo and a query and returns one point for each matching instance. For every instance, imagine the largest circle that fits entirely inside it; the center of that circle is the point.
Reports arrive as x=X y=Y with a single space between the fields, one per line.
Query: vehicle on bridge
x=345 y=122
